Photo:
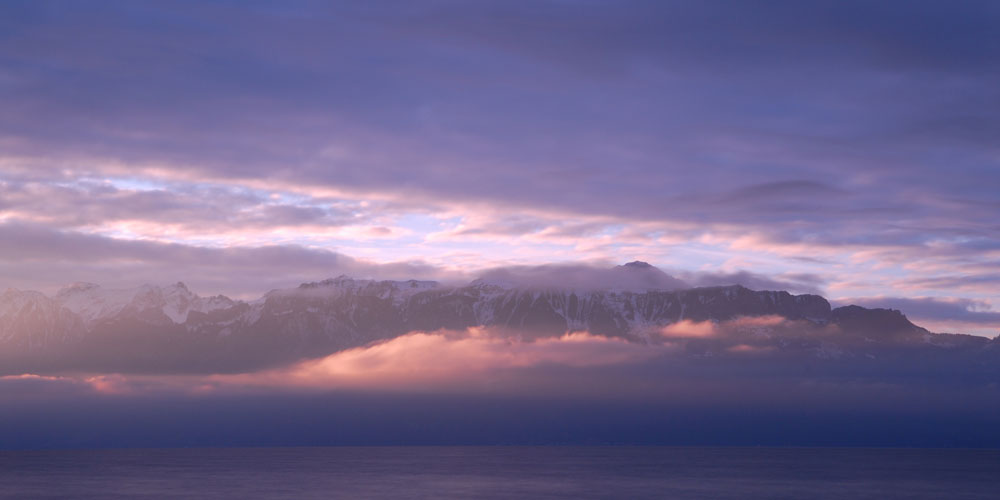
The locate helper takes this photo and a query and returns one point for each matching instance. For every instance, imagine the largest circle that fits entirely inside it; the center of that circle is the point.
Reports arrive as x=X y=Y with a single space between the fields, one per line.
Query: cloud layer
x=696 y=383
x=798 y=143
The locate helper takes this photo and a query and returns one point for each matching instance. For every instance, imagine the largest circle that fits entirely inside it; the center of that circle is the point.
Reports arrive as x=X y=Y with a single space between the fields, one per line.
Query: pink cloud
x=749 y=349
x=689 y=329
x=764 y=321
x=448 y=359
x=476 y=360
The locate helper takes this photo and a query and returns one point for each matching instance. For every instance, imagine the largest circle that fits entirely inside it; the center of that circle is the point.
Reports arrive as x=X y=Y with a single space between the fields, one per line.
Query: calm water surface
x=502 y=472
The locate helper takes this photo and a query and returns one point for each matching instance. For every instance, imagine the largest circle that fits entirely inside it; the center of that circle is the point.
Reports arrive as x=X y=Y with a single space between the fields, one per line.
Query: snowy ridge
x=30 y=320
x=331 y=307
x=14 y=300
x=317 y=318
x=94 y=303
x=332 y=288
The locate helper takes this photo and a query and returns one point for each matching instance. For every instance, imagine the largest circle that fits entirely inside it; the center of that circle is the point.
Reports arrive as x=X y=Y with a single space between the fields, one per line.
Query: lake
x=502 y=472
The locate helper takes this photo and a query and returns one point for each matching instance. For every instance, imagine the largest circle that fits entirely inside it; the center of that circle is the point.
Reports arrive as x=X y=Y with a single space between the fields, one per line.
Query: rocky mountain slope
x=154 y=329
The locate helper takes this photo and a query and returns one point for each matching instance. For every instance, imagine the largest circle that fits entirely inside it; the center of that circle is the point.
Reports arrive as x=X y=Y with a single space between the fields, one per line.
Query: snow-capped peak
x=637 y=264
x=94 y=303
x=493 y=281
x=13 y=300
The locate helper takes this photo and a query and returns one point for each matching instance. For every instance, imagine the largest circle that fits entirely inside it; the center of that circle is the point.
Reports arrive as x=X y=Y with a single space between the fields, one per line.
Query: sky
x=844 y=148
x=849 y=148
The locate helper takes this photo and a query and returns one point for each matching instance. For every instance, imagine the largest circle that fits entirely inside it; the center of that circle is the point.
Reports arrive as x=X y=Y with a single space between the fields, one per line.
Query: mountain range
x=152 y=329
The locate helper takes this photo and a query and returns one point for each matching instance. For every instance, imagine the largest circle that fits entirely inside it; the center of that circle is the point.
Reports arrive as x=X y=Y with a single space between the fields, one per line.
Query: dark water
x=502 y=472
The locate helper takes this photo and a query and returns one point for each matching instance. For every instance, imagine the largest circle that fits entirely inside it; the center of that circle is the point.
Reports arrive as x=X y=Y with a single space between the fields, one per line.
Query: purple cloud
x=818 y=132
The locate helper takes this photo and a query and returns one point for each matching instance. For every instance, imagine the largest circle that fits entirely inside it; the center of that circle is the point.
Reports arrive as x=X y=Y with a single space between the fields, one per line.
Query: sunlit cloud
x=452 y=359
x=749 y=349
x=440 y=361
x=689 y=329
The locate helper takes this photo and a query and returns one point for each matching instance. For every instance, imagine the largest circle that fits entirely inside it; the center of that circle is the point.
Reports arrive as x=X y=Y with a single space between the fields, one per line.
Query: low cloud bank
x=447 y=360
x=752 y=380
x=698 y=384
x=662 y=360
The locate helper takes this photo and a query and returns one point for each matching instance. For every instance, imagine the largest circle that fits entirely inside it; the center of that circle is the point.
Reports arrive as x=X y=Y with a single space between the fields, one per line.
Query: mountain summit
x=638 y=264
x=639 y=274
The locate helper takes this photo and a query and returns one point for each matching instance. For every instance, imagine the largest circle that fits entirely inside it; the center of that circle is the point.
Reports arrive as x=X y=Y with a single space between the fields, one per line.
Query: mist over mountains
x=151 y=329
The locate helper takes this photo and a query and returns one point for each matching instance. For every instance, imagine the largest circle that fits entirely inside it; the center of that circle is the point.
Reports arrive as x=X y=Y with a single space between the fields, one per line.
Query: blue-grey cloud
x=792 y=282
x=631 y=276
x=196 y=208
x=37 y=257
x=927 y=308
x=550 y=78
x=820 y=124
